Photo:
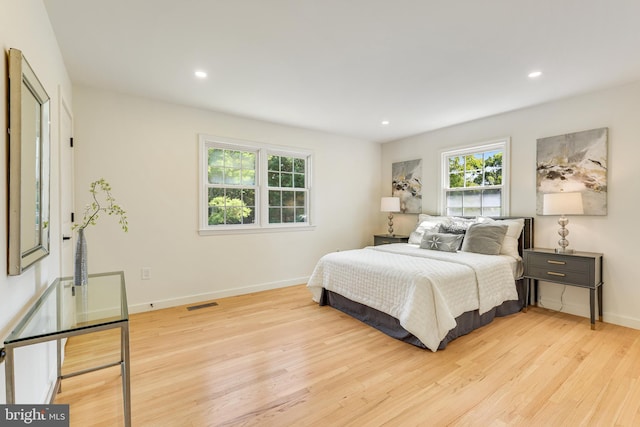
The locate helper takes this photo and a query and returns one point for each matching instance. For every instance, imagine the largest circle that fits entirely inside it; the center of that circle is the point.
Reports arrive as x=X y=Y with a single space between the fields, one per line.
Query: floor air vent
x=197 y=307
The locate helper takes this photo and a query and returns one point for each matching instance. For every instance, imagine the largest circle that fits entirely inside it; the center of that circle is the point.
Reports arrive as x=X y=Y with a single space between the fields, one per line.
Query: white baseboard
x=564 y=307
x=628 y=322
x=190 y=299
x=582 y=310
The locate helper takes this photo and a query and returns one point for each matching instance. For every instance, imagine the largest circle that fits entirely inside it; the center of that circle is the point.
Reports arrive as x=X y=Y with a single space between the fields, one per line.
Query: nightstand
x=581 y=269
x=385 y=239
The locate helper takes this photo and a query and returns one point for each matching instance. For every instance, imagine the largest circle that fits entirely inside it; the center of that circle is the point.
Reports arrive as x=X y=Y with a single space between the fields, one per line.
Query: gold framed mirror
x=28 y=166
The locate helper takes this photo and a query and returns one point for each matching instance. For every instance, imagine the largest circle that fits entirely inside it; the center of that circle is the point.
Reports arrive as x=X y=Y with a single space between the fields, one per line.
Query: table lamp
x=390 y=204
x=563 y=204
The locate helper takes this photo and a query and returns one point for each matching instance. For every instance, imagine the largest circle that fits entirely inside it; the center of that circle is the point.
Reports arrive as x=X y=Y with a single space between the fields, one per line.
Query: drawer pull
x=553 y=273
x=550 y=261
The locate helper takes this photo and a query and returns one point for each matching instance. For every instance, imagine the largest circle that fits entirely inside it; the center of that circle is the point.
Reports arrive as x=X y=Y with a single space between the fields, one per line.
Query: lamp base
x=390 y=223
x=564 y=251
x=563 y=232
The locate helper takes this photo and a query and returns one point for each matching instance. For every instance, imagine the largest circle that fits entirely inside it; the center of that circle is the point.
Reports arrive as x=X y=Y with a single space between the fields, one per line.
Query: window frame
x=261 y=186
x=502 y=144
x=266 y=188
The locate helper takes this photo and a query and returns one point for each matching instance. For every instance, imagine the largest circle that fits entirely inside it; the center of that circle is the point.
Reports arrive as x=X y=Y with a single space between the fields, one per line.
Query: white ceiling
x=343 y=66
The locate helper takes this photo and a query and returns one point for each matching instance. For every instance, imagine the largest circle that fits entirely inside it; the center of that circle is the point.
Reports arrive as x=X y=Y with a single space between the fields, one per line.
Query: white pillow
x=510 y=242
x=426 y=222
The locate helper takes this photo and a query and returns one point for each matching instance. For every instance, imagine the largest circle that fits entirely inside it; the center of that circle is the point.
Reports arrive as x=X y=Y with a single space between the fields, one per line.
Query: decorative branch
x=108 y=206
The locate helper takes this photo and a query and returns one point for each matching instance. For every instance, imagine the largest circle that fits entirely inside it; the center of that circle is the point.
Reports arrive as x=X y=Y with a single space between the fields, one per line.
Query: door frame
x=65 y=112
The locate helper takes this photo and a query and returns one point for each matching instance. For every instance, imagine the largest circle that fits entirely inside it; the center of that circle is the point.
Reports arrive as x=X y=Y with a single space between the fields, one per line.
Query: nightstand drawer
x=559 y=263
x=383 y=239
x=550 y=273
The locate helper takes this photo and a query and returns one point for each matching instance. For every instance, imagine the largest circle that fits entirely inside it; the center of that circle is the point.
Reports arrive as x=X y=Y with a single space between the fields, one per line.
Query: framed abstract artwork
x=574 y=162
x=407 y=185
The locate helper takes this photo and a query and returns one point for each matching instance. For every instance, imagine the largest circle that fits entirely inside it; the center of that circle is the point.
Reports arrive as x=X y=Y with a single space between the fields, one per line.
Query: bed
x=455 y=275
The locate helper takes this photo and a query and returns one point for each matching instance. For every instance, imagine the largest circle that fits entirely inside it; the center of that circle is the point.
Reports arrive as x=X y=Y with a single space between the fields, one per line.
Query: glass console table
x=65 y=310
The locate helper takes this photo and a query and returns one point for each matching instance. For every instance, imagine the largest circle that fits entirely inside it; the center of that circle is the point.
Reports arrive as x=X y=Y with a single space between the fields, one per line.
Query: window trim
x=261 y=218
x=503 y=144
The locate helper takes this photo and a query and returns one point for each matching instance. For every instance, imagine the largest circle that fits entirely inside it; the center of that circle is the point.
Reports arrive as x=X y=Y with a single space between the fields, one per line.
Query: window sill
x=255 y=230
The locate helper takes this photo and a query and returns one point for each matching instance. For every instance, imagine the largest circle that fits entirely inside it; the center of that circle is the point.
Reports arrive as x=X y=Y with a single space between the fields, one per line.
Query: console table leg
x=125 y=372
x=592 y=309
x=600 y=302
x=10 y=387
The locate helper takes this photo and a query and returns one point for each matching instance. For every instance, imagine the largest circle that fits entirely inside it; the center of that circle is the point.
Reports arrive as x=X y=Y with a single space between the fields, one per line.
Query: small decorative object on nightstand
x=581 y=269
x=385 y=239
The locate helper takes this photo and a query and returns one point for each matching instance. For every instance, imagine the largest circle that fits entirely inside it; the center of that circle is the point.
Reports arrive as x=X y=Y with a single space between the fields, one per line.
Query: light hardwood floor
x=275 y=358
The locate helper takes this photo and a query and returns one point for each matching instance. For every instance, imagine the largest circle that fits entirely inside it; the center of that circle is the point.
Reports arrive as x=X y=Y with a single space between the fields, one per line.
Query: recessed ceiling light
x=535 y=74
x=385 y=122
x=200 y=74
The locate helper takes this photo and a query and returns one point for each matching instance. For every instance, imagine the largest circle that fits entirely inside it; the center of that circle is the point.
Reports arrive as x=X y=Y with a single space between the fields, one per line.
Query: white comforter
x=424 y=289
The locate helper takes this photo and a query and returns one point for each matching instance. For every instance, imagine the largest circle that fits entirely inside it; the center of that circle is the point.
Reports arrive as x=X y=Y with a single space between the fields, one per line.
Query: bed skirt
x=465 y=323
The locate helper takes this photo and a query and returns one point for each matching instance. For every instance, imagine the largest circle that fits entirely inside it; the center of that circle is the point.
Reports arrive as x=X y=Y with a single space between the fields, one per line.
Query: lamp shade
x=390 y=204
x=563 y=204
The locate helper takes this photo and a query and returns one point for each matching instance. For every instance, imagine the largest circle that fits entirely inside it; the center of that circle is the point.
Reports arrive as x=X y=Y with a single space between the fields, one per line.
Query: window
x=250 y=186
x=475 y=180
x=287 y=189
x=231 y=179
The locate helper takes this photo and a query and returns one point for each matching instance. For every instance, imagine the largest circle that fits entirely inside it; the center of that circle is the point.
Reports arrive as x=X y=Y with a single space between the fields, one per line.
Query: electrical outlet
x=146 y=273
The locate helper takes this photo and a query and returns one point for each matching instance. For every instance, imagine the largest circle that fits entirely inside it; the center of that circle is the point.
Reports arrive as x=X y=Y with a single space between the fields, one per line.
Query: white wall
x=148 y=151
x=25 y=25
x=614 y=235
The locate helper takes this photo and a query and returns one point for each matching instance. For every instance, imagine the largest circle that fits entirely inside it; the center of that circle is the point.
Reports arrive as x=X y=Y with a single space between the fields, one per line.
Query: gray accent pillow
x=441 y=241
x=484 y=238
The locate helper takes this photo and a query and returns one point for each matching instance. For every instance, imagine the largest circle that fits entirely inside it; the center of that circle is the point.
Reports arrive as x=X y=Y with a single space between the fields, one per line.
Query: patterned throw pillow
x=426 y=222
x=441 y=241
x=453 y=228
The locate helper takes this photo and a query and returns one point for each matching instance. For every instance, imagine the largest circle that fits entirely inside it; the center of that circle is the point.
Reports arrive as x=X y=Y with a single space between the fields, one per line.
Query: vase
x=81 y=271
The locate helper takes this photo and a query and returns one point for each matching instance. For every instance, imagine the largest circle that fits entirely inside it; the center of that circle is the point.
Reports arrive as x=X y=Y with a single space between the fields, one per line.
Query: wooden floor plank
x=275 y=358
